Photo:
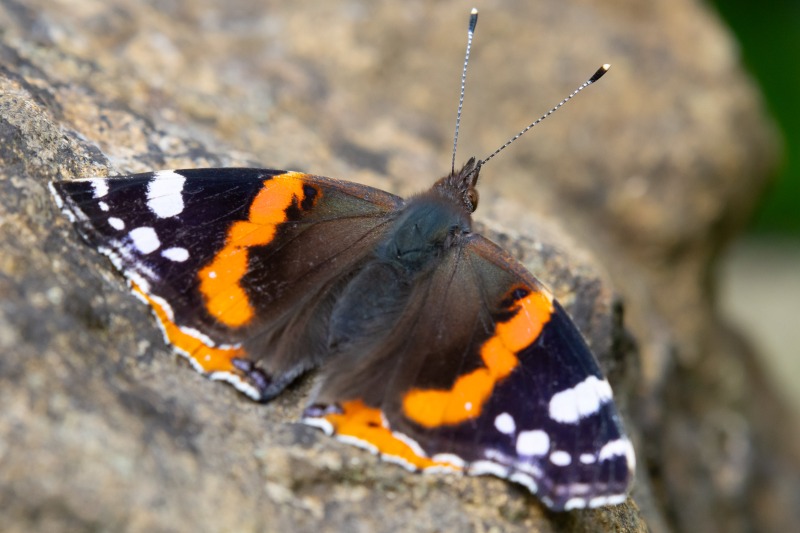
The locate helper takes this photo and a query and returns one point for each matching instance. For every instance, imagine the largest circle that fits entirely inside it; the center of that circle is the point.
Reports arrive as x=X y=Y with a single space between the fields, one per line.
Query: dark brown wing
x=234 y=261
x=482 y=371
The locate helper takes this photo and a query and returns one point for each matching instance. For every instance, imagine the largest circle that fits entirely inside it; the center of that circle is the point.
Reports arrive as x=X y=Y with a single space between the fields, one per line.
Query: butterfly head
x=459 y=186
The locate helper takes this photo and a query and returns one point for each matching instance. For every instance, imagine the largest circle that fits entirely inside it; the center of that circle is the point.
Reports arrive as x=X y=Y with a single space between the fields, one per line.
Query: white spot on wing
x=100 y=187
x=505 y=423
x=618 y=447
x=103 y=206
x=116 y=223
x=145 y=239
x=613 y=499
x=240 y=384
x=560 y=458
x=56 y=195
x=319 y=423
x=575 y=503
x=440 y=469
x=358 y=443
x=451 y=459
x=480 y=468
x=584 y=399
x=408 y=441
x=588 y=458
x=394 y=459
x=165 y=194
x=179 y=255
x=525 y=480
x=598 y=501
x=534 y=442
x=616 y=499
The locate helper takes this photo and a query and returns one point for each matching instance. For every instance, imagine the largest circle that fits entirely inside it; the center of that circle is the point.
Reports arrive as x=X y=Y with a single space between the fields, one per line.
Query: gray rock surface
x=627 y=196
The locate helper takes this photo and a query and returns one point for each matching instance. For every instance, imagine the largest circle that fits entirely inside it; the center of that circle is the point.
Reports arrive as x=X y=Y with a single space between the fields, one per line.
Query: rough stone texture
x=627 y=196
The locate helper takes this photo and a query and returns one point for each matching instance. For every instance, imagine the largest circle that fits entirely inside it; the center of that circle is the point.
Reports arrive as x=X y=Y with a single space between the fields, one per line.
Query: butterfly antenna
x=473 y=21
x=596 y=76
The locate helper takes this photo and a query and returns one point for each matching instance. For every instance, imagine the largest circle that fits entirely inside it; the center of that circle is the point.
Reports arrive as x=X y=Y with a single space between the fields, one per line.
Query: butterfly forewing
x=228 y=258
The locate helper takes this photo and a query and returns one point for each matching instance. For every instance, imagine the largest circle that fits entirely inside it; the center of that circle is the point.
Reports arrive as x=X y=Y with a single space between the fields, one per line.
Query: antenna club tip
x=600 y=72
x=473 y=19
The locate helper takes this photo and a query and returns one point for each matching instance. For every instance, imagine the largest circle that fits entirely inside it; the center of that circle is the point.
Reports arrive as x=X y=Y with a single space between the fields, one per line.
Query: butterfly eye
x=472 y=196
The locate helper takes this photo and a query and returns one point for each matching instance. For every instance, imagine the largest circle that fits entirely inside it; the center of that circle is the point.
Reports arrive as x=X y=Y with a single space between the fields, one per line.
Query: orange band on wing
x=225 y=299
x=432 y=408
x=367 y=424
x=208 y=358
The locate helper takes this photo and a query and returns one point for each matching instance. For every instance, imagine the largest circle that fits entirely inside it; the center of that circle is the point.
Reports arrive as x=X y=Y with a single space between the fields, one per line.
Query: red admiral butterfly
x=438 y=350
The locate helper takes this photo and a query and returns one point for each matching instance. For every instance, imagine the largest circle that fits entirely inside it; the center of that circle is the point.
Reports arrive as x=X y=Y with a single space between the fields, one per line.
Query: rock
x=629 y=200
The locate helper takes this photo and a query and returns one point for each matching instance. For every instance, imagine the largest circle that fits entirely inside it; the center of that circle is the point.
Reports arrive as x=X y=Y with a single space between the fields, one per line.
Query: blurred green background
x=769 y=34
x=759 y=282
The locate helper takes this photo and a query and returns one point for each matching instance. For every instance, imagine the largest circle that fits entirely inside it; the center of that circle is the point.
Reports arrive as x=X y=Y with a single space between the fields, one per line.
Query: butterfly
x=437 y=349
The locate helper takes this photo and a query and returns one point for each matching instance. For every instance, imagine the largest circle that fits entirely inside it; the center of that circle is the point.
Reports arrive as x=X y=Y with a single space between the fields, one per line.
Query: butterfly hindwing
x=483 y=372
x=233 y=261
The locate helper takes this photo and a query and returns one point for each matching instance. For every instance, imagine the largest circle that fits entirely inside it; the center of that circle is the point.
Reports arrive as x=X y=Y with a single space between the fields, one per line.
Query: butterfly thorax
x=429 y=226
x=433 y=222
